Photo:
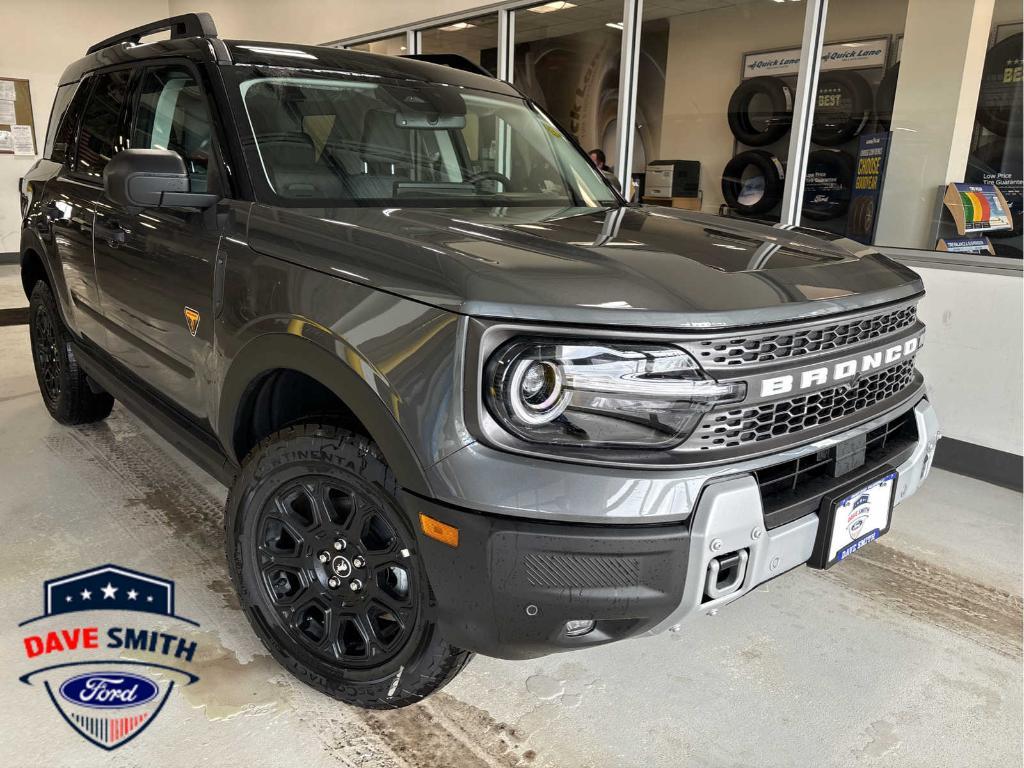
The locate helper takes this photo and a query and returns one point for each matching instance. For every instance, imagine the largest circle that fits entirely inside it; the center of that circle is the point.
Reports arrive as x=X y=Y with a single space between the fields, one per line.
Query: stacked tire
x=760 y=114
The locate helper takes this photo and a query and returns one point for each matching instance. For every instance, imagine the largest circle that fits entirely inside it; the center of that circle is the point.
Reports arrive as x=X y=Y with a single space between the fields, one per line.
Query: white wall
x=41 y=40
x=972 y=357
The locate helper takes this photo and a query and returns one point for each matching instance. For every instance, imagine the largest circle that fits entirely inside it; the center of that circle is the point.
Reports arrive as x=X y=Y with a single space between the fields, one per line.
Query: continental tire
x=885 y=96
x=842 y=108
x=828 y=184
x=328 y=572
x=760 y=111
x=741 y=188
x=62 y=383
x=999 y=100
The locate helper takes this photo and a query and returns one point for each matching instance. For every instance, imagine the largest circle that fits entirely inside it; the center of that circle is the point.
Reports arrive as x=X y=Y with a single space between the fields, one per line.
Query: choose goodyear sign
x=108 y=702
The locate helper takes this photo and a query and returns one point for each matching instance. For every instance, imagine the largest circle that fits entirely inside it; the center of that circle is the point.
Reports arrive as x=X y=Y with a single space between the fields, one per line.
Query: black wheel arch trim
x=31 y=241
x=274 y=351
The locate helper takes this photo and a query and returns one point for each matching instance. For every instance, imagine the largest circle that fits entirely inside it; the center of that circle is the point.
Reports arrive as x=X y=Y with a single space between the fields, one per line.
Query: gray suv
x=465 y=397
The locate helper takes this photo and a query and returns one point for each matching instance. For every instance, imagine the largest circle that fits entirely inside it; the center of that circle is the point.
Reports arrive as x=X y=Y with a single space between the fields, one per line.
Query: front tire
x=328 y=572
x=62 y=383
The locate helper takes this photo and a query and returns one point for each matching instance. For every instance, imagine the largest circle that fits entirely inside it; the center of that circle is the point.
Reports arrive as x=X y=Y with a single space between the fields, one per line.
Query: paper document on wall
x=7 y=90
x=6 y=141
x=7 y=113
x=22 y=140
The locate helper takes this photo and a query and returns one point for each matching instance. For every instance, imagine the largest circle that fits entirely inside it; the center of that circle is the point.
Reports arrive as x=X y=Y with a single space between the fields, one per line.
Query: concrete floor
x=908 y=655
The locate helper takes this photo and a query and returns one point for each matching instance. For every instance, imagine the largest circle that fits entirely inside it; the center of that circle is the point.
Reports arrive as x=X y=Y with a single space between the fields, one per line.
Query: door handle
x=113 y=233
x=49 y=215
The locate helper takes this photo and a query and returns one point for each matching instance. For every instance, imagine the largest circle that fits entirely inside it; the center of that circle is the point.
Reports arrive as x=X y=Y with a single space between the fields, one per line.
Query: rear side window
x=173 y=114
x=67 y=106
x=99 y=137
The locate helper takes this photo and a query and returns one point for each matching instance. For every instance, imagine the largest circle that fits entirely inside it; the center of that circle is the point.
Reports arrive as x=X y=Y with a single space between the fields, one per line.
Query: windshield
x=347 y=141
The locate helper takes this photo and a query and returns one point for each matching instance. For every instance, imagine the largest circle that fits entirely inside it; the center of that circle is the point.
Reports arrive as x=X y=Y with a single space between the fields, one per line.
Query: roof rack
x=186 y=25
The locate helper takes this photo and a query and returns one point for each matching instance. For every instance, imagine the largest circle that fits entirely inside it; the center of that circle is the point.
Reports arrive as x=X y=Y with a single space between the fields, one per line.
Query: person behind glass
x=597 y=157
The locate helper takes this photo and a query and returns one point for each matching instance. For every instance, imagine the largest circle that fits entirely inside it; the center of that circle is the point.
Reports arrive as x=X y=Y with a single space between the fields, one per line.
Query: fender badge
x=192 y=318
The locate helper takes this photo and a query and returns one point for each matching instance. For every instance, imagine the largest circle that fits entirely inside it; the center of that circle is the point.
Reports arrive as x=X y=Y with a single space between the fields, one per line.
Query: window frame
x=216 y=174
x=72 y=165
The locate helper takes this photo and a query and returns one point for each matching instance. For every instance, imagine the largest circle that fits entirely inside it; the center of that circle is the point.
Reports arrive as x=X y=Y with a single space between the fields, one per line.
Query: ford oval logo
x=109 y=690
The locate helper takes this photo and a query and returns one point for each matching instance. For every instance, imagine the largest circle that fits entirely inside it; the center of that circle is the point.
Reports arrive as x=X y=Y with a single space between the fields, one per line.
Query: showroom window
x=715 y=97
x=863 y=141
x=476 y=39
x=392 y=46
x=566 y=58
x=947 y=108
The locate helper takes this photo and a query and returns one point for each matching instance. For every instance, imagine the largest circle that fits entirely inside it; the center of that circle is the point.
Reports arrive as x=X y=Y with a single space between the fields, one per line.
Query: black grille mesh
x=760 y=349
x=742 y=426
x=564 y=571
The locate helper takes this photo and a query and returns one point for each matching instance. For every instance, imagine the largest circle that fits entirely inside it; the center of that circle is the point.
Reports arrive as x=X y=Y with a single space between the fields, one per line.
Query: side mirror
x=151 y=178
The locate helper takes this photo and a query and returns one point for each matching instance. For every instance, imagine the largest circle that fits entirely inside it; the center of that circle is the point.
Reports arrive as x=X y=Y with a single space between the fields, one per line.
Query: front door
x=155 y=267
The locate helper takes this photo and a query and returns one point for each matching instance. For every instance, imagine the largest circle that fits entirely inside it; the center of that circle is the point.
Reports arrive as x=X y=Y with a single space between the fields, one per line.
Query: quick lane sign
x=854 y=55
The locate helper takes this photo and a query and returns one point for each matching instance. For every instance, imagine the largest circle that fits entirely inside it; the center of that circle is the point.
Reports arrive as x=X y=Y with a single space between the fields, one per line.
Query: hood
x=652 y=267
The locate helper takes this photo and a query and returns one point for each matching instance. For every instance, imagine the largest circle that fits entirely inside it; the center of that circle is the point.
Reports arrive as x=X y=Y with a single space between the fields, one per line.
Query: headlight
x=565 y=392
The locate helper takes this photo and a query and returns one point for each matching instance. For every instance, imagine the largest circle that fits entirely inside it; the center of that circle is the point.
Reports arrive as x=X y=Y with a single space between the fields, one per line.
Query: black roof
x=125 y=48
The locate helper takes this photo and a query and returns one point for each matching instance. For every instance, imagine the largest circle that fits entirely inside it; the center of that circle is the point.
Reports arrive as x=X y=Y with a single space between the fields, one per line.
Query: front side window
x=355 y=142
x=99 y=137
x=173 y=114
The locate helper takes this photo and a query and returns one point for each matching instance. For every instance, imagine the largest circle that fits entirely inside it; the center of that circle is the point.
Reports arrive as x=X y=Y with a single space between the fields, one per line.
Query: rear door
x=89 y=134
x=155 y=267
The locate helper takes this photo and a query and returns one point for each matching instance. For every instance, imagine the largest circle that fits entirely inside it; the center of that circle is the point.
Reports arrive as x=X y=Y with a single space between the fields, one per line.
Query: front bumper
x=511 y=585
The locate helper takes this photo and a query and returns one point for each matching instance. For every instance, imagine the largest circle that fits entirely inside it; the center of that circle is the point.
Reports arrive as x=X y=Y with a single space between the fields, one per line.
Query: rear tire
x=328 y=571
x=62 y=383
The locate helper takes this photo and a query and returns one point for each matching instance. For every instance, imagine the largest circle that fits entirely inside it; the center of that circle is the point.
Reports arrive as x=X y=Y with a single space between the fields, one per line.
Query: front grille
x=756 y=423
x=766 y=348
x=795 y=488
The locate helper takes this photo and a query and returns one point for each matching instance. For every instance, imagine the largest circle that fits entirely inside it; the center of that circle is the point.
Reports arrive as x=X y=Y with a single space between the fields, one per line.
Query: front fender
x=292 y=351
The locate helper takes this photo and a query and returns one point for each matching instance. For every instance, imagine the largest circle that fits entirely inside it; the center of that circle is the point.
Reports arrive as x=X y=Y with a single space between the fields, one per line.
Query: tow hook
x=725 y=574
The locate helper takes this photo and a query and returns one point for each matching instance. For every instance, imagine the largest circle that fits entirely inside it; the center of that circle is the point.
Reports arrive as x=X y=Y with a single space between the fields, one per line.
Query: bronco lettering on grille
x=836 y=372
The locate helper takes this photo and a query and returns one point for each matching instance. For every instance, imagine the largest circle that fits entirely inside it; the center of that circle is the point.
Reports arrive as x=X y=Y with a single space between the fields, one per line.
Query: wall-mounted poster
x=17 y=128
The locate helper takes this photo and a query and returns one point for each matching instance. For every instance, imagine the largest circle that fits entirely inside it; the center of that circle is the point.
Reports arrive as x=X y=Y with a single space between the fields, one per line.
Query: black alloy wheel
x=327 y=567
x=336 y=571
x=44 y=344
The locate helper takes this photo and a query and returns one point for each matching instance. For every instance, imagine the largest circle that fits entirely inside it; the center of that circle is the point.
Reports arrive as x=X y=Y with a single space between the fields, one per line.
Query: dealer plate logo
x=107 y=701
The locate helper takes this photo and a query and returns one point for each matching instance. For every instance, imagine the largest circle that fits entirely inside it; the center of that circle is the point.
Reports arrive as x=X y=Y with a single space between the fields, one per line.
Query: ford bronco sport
x=465 y=397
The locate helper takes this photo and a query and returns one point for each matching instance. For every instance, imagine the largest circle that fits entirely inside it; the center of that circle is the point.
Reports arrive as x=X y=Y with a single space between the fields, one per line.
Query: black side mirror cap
x=151 y=178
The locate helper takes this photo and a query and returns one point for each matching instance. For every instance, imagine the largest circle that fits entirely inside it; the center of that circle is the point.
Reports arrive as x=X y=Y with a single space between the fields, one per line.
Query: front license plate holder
x=853 y=517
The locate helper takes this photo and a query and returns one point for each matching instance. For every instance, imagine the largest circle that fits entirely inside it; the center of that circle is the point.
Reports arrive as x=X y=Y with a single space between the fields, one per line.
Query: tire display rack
x=760 y=117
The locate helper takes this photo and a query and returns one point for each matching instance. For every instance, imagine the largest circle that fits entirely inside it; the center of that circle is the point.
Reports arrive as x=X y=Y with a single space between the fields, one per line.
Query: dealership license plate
x=860 y=518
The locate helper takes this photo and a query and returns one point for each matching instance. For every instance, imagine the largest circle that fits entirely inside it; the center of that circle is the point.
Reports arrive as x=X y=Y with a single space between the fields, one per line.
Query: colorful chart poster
x=977 y=208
